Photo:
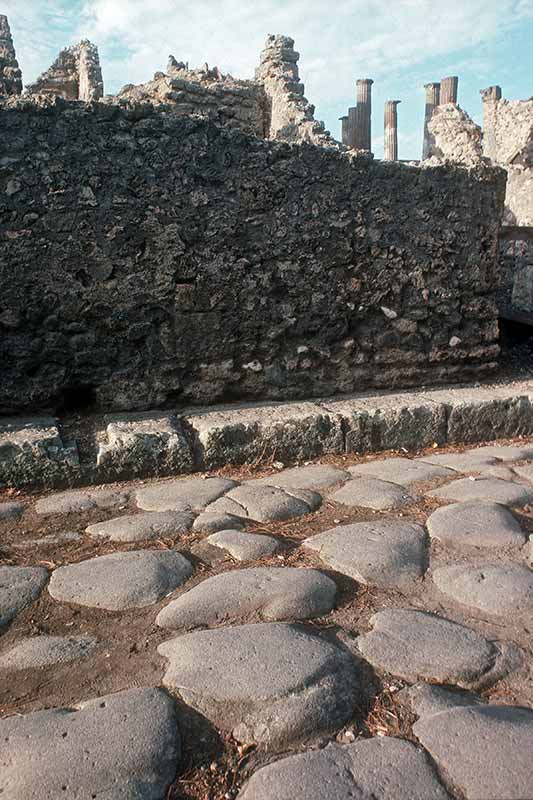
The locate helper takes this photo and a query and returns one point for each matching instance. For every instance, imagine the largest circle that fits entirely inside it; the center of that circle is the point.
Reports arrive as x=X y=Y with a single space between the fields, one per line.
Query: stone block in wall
x=143 y=444
x=480 y=419
x=262 y=433
x=33 y=453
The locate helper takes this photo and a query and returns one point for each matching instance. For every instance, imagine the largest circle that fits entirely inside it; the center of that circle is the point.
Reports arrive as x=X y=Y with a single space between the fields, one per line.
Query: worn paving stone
x=402 y=471
x=424 y=699
x=312 y=476
x=267 y=503
x=475 y=524
x=211 y=522
x=461 y=462
x=500 y=589
x=83 y=500
x=485 y=750
x=372 y=493
x=491 y=489
x=270 y=683
x=43 y=651
x=505 y=452
x=140 y=527
x=11 y=510
x=370 y=769
x=120 y=580
x=386 y=553
x=417 y=645
x=185 y=494
x=19 y=586
x=123 y=745
x=273 y=593
x=525 y=472
x=50 y=539
x=244 y=546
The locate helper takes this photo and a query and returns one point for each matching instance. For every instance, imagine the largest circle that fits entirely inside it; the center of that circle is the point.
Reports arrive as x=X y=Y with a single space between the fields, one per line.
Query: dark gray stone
x=19 y=586
x=211 y=522
x=43 y=651
x=73 y=502
x=402 y=471
x=185 y=494
x=313 y=476
x=267 y=503
x=475 y=524
x=11 y=510
x=140 y=527
x=485 y=489
x=424 y=699
x=500 y=589
x=244 y=546
x=373 y=493
x=478 y=419
x=32 y=452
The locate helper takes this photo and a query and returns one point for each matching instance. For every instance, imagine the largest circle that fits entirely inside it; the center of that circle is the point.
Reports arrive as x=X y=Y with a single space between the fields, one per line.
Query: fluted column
x=432 y=101
x=344 y=129
x=364 y=113
x=448 y=90
x=391 y=130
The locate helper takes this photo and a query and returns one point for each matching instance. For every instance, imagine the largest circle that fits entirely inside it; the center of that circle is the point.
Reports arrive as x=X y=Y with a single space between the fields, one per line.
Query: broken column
x=432 y=101
x=91 y=84
x=491 y=97
x=364 y=114
x=10 y=74
x=344 y=129
x=391 y=130
x=352 y=127
x=448 y=90
x=74 y=75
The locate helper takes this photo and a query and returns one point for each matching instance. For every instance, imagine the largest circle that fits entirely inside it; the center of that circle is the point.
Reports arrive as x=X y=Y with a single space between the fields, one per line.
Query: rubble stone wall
x=75 y=75
x=151 y=260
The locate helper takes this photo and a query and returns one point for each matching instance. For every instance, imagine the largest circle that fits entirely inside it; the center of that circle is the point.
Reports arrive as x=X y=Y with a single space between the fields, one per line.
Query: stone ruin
x=10 y=74
x=74 y=75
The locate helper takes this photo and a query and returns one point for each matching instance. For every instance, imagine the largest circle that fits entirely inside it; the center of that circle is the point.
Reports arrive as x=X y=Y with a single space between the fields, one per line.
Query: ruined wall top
x=10 y=74
x=75 y=75
x=508 y=126
x=454 y=136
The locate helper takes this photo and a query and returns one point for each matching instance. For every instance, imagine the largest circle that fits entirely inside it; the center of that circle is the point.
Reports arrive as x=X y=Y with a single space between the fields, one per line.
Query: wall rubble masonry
x=74 y=75
x=454 y=136
x=10 y=74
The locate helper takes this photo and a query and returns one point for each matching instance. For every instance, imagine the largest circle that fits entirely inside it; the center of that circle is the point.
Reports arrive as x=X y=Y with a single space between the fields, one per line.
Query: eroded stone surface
x=417 y=645
x=424 y=699
x=19 y=586
x=124 y=745
x=370 y=769
x=475 y=524
x=272 y=593
x=490 y=489
x=211 y=522
x=402 y=471
x=10 y=510
x=120 y=580
x=501 y=589
x=244 y=546
x=182 y=495
x=43 y=651
x=271 y=683
x=372 y=493
x=485 y=750
x=313 y=476
x=267 y=503
x=83 y=500
x=385 y=553
x=140 y=527
x=471 y=461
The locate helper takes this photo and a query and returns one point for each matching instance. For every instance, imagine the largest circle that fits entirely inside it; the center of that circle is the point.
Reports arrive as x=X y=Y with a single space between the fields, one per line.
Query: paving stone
x=475 y=524
x=461 y=462
x=372 y=493
x=51 y=539
x=121 y=580
x=312 y=476
x=491 y=489
x=501 y=589
x=185 y=494
x=123 y=745
x=369 y=769
x=244 y=546
x=485 y=750
x=140 y=527
x=505 y=452
x=9 y=511
x=402 y=471
x=19 y=586
x=417 y=645
x=525 y=472
x=32 y=452
x=43 y=651
x=83 y=500
x=267 y=503
x=272 y=593
x=270 y=684
x=424 y=700
x=385 y=553
x=211 y=522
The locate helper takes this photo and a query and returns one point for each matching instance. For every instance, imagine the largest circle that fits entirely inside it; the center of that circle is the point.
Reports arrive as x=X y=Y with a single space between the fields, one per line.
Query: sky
x=401 y=44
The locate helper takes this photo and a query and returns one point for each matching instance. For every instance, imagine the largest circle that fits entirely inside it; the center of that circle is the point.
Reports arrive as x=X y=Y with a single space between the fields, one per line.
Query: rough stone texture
x=489 y=489
x=267 y=503
x=74 y=75
x=44 y=651
x=372 y=493
x=138 y=527
x=211 y=522
x=139 y=445
x=455 y=137
x=385 y=554
x=469 y=461
x=476 y=524
x=182 y=495
x=400 y=470
x=425 y=700
x=19 y=586
x=124 y=745
x=244 y=546
x=50 y=540
x=270 y=684
x=120 y=580
x=502 y=590
x=271 y=593
x=475 y=420
x=193 y=277
x=483 y=749
x=10 y=74
x=74 y=502
x=33 y=452
x=313 y=476
x=11 y=510
x=375 y=769
x=416 y=645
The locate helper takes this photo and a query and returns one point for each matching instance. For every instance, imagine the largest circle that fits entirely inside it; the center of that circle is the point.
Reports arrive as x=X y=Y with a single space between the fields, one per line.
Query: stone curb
x=152 y=444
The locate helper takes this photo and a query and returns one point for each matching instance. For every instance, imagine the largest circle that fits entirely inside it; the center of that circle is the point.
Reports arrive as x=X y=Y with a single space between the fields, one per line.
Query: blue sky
x=401 y=44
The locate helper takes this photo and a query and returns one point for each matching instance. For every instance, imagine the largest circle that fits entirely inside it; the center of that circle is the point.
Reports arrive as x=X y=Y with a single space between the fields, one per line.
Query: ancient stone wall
x=148 y=259
x=74 y=75
x=454 y=136
x=10 y=74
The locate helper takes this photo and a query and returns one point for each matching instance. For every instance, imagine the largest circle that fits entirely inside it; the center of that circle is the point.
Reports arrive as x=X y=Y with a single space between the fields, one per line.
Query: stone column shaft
x=432 y=101
x=352 y=123
x=364 y=113
x=344 y=129
x=448 y=90
x=491 y=98
x=391 y=130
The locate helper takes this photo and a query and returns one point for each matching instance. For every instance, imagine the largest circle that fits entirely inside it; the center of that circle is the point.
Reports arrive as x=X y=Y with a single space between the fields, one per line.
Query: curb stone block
x=477 y=420
x=32 y=452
